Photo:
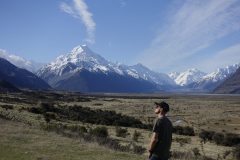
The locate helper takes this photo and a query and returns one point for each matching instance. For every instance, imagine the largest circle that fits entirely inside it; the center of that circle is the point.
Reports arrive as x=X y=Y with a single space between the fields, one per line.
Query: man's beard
x=157 y=112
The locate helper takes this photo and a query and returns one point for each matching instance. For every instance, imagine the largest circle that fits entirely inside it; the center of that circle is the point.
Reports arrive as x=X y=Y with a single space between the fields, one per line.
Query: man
x=159 y=148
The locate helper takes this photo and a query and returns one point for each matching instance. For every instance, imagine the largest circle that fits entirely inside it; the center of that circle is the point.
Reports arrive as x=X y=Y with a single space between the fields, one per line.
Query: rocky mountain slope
x=20 y=78
x=230 y=85
x=85 y=71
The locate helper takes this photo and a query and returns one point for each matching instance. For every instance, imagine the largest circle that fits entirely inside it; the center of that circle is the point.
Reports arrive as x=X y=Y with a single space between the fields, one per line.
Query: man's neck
x=161 y=115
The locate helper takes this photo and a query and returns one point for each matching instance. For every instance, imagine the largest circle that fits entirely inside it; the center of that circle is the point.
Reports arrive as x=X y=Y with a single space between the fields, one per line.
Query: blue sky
x=164 y=35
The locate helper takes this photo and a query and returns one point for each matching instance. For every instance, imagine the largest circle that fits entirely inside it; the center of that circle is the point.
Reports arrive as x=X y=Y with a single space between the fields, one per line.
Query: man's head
x=161 y=107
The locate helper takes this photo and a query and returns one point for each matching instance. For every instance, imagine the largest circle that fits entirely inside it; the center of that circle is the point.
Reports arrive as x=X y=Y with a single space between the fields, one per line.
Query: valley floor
x=23 y=138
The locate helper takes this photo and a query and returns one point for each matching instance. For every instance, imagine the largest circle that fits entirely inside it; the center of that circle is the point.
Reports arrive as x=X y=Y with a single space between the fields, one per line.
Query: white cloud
x=194 y=26
x=79 y=10
x=20 y=62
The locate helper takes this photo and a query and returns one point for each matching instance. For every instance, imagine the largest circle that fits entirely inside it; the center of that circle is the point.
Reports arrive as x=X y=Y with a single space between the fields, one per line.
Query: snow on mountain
x=188 y=77
x=173 y=75
x=212 y=80
x=195 y=80
x=149 y=75
x=81 y=57
x=231 y=85
x=85 y=71
x=20 y=62
x=221 y=73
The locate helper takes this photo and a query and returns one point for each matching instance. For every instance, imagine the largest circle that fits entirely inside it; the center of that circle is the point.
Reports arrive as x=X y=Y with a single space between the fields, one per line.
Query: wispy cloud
x=194 y=25
x=79 y=9
x=230 y=55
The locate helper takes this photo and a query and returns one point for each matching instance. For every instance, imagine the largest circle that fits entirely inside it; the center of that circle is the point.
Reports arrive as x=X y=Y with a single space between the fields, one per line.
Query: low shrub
x=88 y=115
x=136 y=135
x=187 y=131
x=78 y=129
x=121 y=132
x=236 y=152
x=99 y=132
x=231 y=139
x=48 y=116
x=6 y=106
x=218 y=138
x=206 y=135
x=227 y=139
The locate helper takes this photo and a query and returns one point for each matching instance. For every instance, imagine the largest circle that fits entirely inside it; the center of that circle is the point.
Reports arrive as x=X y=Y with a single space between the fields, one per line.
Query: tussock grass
x=200 y=112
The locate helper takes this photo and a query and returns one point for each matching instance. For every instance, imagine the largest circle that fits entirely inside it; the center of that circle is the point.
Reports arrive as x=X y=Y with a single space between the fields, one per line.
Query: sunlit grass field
x=23 y=138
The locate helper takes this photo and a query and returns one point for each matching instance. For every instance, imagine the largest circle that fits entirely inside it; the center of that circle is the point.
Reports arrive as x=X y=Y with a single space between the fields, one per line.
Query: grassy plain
x=22 y=138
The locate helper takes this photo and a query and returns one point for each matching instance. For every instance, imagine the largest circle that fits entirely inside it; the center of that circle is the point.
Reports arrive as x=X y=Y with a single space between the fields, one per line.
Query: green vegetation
x=89 y=123
x=227 y=139
x=121 y=132
x=136 y=135
x=99 y=132
x=22 y=142
x=86 y=115
x=181 y=130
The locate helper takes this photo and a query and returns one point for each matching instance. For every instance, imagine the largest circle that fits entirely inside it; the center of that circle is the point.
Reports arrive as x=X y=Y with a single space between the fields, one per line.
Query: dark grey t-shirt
x=163 y=127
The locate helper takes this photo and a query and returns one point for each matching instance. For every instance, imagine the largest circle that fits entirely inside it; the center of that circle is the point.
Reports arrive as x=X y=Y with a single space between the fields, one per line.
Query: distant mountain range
x=195 y=80
x=20 y=78
x=83 y=70
x=187 y=77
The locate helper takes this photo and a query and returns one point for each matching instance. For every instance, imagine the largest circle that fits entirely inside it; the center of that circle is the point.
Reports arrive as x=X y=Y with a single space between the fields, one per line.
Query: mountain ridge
x=20 y=78
x=83 y=59
x=230 y=85
x=81 y=65
x=20 y=62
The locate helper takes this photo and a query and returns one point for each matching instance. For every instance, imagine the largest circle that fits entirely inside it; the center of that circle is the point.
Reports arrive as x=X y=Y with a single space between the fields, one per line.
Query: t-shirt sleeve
x=156 y=127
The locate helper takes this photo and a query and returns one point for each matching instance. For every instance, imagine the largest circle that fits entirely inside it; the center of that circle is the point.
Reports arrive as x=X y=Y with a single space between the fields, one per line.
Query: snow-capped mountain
x=187 y=77
x=83 y=70
x=221 y=73
x=149 y=75
x=20 y=62
x=230 y=85
x=80 y=57
x=82 y=63
x=210 y=81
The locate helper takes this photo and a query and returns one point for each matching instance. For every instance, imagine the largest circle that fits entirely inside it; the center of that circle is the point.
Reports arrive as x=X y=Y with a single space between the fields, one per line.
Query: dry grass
x=218 y=113
x=21 y=142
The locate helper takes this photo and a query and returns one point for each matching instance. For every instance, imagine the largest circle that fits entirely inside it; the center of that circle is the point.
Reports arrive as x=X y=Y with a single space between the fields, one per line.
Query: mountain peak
x=187 y=77
x=81 y=49
x=140 y=65
x=78 y=58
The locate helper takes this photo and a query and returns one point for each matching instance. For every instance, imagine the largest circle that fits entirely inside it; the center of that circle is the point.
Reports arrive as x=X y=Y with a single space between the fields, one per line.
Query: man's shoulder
x=164 y=119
